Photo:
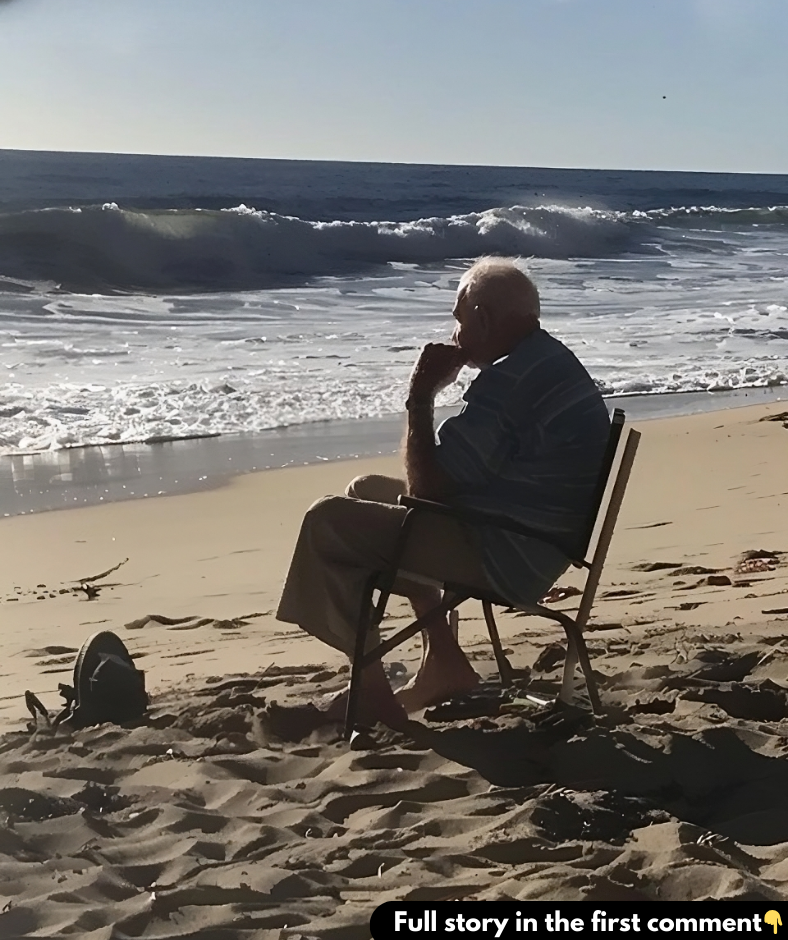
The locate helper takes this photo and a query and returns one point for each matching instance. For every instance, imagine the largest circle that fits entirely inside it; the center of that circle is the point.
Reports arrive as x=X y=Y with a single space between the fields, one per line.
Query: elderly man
x=528 y=444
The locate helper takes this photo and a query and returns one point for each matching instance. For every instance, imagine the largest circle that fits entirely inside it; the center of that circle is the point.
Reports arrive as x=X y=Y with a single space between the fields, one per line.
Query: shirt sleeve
x=474 y=445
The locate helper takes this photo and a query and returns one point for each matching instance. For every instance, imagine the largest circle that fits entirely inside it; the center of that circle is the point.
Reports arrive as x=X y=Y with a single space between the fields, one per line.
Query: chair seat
x=490 y=596
x=456 y=588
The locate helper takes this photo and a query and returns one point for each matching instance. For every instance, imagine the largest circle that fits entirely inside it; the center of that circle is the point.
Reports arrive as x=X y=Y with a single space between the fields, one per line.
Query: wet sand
x=87 y=476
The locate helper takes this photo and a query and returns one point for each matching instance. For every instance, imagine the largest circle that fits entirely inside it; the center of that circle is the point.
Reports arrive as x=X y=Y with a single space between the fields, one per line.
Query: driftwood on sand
x=98 y=577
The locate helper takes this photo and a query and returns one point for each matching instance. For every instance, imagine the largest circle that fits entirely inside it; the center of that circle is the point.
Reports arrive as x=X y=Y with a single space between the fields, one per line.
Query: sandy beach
x=200 y=818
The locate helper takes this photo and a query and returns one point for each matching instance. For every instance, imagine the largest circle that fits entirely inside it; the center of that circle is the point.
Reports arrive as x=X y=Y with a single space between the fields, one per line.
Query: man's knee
x=376 y=488
x=368 y=486
x=324 y=509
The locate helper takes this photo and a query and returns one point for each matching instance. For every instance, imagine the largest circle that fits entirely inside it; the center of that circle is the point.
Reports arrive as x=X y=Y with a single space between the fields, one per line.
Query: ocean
x=147 y=298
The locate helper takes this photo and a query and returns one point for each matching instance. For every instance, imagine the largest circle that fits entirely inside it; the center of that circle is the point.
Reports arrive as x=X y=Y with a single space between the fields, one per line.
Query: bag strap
x=36 y=707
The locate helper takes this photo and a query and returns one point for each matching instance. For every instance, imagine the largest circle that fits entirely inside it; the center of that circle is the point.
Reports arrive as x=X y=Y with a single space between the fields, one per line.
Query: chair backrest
x=616 y=427
x=608 y=525
x=602 y=543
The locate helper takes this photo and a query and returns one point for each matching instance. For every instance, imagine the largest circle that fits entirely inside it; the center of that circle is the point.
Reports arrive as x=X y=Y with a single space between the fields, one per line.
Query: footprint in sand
x=57 y=661
x=52 y=651
x=191 y=622
x=656 y=565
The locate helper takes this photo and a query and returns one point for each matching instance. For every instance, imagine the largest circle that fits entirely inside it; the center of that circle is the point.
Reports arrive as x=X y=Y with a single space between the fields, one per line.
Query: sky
x=637 y=84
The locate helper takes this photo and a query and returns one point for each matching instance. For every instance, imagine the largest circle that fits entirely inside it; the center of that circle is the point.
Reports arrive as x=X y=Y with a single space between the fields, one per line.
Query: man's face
x=470 y=334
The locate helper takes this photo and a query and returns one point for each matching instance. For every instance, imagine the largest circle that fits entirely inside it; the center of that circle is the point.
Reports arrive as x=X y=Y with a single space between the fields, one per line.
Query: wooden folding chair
x=454 y=594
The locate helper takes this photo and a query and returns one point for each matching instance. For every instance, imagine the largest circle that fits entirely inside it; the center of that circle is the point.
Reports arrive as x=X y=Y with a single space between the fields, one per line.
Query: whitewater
x=144 y=298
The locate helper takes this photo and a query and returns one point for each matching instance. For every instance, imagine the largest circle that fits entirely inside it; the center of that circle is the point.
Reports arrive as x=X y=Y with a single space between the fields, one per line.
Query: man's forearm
x=426 y=479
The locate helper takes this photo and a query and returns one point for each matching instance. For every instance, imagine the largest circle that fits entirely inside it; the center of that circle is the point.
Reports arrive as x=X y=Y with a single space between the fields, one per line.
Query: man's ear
x=484 y=320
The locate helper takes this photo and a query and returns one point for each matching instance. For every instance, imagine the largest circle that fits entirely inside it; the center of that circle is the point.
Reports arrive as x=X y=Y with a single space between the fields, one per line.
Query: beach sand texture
x=201 y=819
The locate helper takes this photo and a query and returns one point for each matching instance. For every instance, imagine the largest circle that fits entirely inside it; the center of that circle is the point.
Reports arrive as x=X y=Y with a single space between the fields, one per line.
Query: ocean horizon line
x=393 y=163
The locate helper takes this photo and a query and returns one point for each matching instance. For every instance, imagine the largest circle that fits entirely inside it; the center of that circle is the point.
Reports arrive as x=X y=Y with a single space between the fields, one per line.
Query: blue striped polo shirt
x=528 y=444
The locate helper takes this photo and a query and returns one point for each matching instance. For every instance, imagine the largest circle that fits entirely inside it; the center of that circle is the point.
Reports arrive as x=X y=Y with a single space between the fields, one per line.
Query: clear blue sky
x=523 y=82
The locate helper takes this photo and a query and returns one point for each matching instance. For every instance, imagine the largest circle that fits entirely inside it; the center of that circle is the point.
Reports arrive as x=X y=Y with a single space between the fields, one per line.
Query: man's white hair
x=500 y=285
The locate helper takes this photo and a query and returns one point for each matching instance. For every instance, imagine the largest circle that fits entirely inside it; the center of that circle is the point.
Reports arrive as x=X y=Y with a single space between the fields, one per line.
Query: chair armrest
x=480 y=517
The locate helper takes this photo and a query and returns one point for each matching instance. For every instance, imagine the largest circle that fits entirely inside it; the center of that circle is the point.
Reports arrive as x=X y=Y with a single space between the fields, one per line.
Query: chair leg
x=504 y=669
x=449 y=602
x=588 y=673
x=578 y=644
x=357 y=666
x=570 y=663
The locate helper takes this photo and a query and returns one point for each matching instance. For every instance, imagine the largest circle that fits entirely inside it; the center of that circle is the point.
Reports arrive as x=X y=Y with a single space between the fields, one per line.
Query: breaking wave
x=106 y=248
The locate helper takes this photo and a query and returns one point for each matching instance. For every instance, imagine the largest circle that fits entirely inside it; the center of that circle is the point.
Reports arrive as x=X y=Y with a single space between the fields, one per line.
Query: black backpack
x=107 y=686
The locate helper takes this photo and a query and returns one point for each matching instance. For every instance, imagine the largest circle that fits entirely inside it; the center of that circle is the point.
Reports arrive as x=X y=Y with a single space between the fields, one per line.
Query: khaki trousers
x=344 y=539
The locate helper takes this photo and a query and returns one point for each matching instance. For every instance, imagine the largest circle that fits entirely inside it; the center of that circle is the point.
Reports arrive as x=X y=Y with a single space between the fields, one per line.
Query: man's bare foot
x=444 y=672
x=436 y=681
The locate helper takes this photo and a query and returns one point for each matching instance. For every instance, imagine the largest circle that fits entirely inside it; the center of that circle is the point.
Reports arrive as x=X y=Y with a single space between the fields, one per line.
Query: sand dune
x=203 y=820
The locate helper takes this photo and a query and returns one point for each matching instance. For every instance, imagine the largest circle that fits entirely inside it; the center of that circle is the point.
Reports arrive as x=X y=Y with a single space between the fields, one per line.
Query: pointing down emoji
x=773 y=919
